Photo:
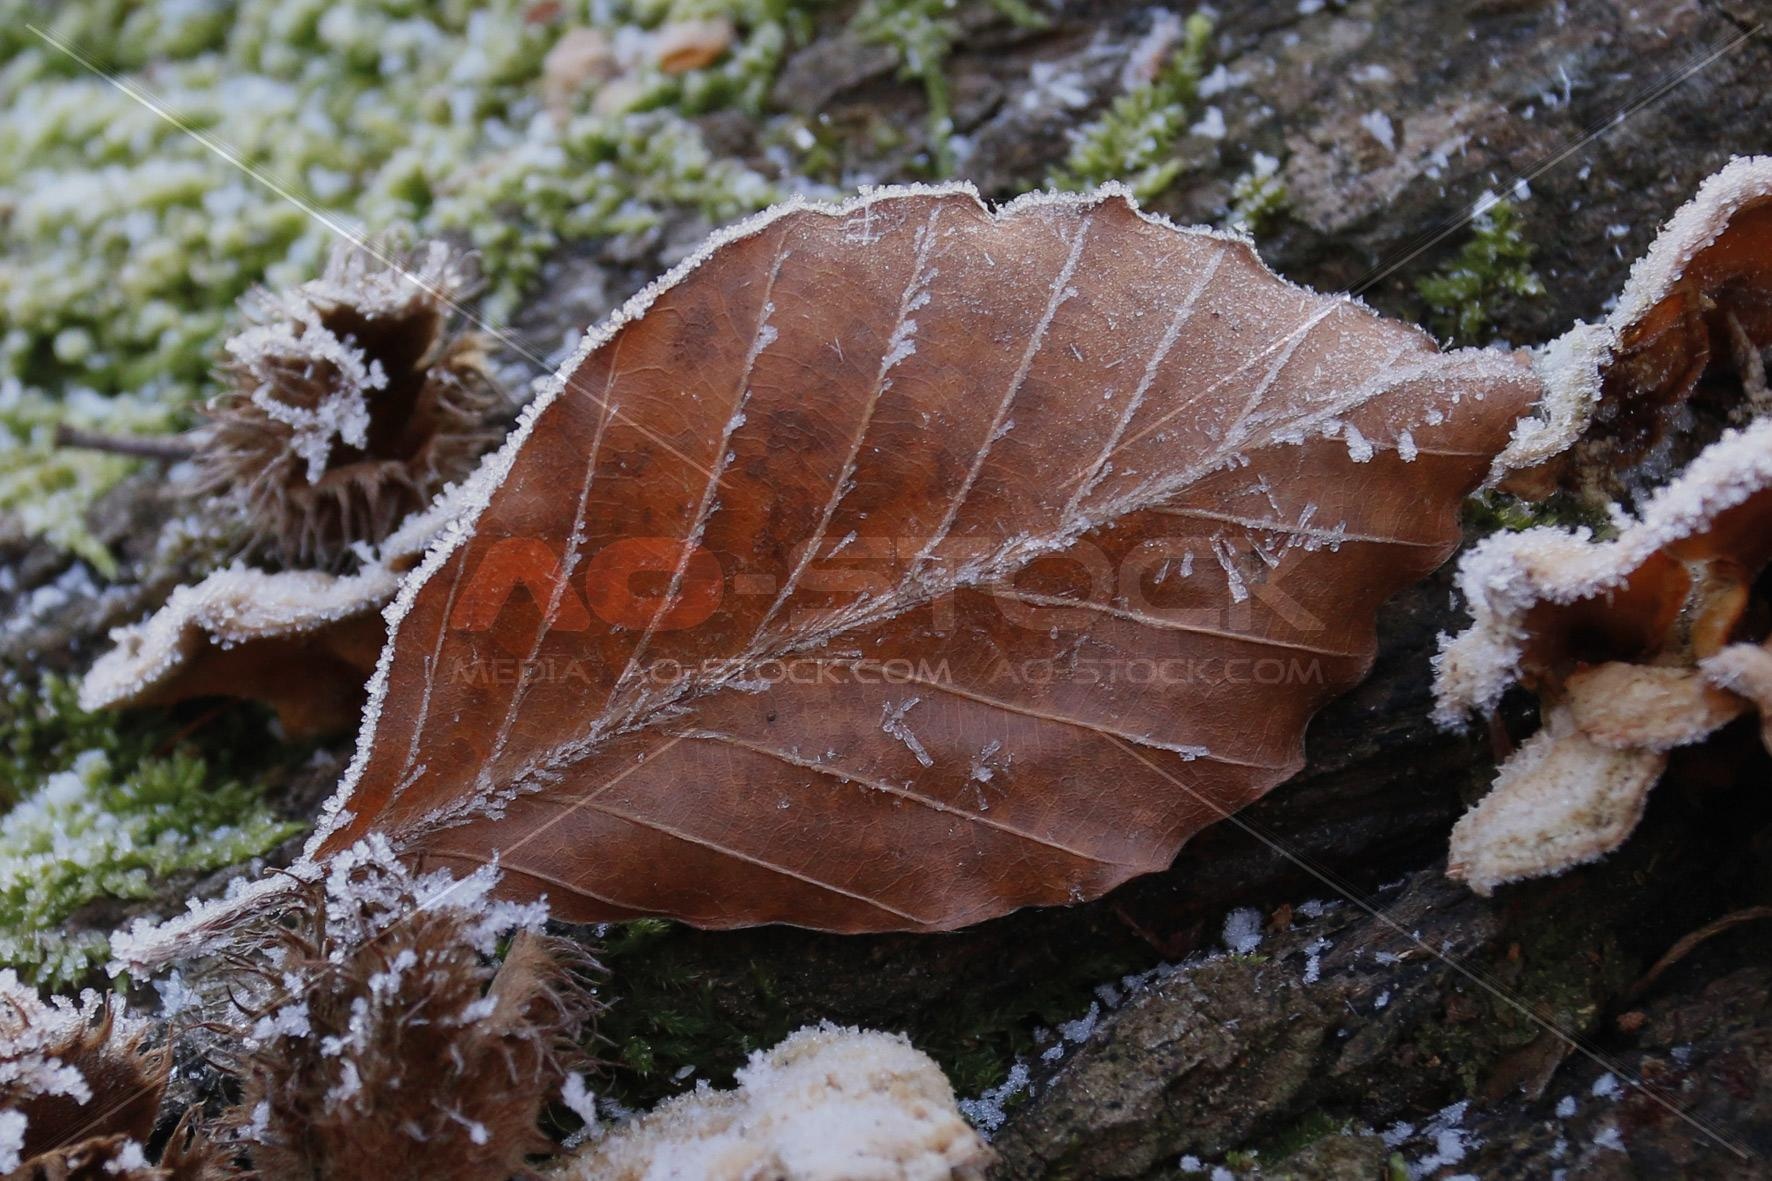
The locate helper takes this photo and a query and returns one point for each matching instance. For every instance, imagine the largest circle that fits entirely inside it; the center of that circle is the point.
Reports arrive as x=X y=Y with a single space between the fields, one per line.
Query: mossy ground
x=690 y=1005
x=101 y=813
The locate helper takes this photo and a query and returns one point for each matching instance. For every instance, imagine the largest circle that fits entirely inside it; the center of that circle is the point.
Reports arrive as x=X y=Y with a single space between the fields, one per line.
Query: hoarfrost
x=827 y=1104
x=1507 y=575
x=1378 y=126
x=12 y=1139
x=1242 y=930
x=1210 y=125
x=987 y=1112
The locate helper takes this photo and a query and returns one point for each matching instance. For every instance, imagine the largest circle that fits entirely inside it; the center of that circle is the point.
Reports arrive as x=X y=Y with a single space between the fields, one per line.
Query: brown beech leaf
x=895 y=565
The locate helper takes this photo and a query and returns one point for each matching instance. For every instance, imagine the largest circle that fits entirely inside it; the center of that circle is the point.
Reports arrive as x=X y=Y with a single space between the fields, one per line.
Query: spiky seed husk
x=409 y=1046
x=350 y=403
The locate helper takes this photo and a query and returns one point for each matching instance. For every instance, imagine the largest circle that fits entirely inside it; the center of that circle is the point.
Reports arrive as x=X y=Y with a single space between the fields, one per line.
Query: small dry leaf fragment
x=1647 y=707
x=77 y=1091
x=352 y=404
x=681 y=46
x=836 y=574
x=302 y=641
x=1700 y=300
x=827 y=1104
x=581 y=58
x=1562 y=800
x=1745 y=670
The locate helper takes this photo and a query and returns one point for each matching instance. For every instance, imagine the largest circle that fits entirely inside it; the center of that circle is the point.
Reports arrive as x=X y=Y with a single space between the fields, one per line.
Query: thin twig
x=1683 y=948
x=165 y=447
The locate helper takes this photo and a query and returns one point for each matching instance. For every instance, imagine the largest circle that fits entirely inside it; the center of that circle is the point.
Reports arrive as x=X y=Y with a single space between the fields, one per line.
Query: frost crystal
x=1242 y=930
x=59 y=1053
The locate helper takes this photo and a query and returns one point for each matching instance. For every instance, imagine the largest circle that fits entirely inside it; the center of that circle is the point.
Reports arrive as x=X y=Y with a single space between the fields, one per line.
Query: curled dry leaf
x=301 y=641
x=681 y=46
x=827 y=1104
x=898 y=564
x=1745 y=670
x=1635 y=645
x=1700 y=300
x=582 y=57
x=1561 y=800
x=1652 y=639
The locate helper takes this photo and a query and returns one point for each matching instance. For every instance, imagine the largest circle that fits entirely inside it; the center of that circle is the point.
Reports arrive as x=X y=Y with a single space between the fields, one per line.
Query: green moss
x=1134 y=141
x=1492 y=271
x=1301 y=1135
x=48 y=488
x=921 y=34
x=1258 y=196
x=97 y=815
x=99 y=808
x=46 y=729
x=1499 y=512
x=603 y=175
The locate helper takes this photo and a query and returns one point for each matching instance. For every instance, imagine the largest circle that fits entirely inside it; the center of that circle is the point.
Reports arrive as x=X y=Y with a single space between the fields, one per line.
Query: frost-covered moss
x=98 y=831
x=1134 y=141
x=129 y=241
x=90 y=811
x=50 y=488
x=600 y=175
x=1258 y=196
x=1490 y=271
x=921 y=33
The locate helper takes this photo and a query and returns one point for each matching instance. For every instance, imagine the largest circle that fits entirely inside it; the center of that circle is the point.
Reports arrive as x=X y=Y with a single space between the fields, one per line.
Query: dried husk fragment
x=78 y=1092
x=384 y=1031
x=303 y=642
x=827 y=1104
